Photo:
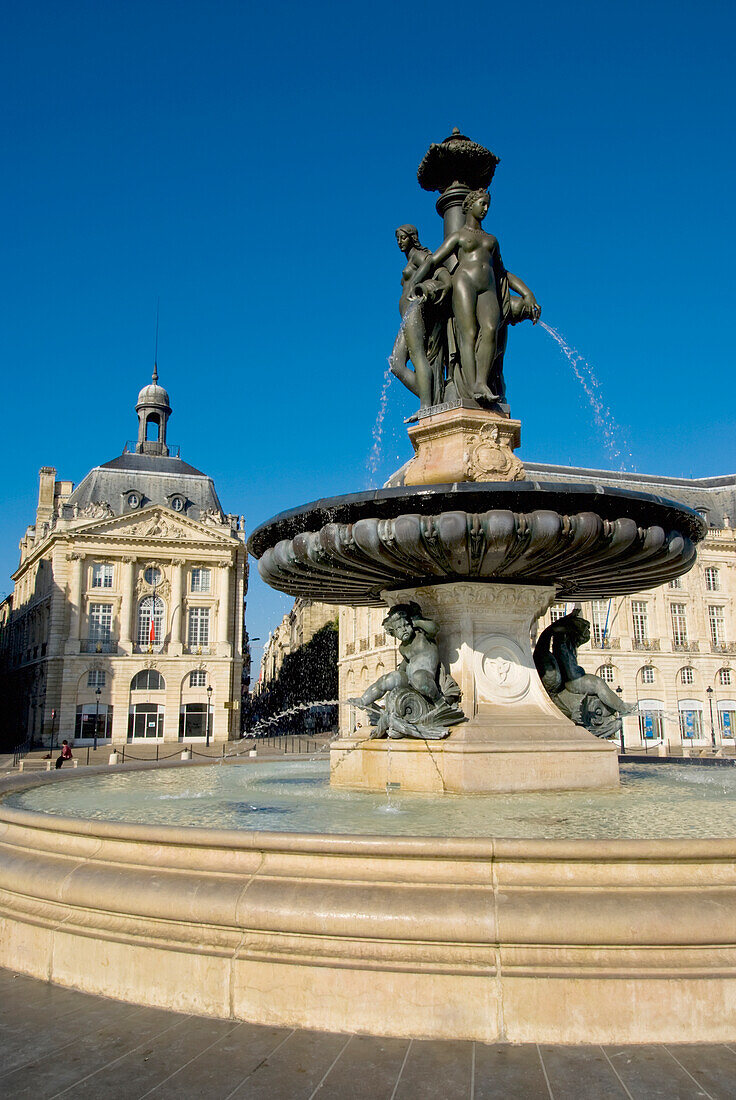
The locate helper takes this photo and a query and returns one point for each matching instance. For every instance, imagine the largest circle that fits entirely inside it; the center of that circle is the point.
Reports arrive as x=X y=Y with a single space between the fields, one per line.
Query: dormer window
x=134 y=500
x=177 y=503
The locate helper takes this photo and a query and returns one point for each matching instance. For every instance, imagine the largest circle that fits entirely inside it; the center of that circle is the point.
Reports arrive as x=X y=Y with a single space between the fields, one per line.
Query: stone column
x=223 y=611
x=76 y=561
x=177 y=589
x=126 y=608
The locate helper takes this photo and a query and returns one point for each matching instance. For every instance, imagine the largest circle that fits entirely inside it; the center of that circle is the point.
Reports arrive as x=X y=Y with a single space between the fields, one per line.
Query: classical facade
x=671 y=649
x=126 y=618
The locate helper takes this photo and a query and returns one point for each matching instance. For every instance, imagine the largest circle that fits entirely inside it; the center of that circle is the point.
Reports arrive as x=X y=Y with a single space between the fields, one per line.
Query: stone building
x=127 y=611
x=671 y=649
x=296 y=628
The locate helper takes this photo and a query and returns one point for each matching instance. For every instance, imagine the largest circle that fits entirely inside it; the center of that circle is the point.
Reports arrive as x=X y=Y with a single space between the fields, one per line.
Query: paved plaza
x=58 y=1042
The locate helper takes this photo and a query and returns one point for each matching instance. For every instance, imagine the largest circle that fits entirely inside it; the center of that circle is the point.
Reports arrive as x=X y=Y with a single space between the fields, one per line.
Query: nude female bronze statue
x=482 y=306
x=586 y=699
x=424 y=308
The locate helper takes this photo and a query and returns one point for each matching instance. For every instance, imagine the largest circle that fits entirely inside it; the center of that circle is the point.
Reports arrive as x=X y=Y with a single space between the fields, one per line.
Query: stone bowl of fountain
x=471 y=869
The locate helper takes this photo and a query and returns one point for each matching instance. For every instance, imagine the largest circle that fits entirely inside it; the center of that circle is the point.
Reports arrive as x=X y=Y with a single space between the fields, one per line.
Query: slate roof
x=155 y=477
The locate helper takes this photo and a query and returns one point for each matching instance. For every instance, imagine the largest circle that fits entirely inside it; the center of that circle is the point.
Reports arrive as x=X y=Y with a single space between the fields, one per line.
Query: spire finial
x=154 y=376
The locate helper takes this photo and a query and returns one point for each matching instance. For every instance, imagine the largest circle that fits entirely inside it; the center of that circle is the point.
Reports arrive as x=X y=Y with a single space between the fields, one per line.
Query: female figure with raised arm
x=481 y=302
x=422 y=313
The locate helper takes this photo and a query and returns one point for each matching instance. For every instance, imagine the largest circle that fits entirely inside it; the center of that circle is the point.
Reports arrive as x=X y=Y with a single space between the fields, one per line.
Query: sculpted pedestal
x=515 y=738
x=463 y=444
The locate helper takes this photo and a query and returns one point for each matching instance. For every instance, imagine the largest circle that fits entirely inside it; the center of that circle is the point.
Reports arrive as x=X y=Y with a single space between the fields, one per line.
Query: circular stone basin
x=654 y=801
x=525 y=938
x=591 y=542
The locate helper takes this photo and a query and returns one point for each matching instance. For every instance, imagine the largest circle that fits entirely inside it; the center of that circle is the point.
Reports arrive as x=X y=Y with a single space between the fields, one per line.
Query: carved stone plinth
x=463 y=444
x=515 y=739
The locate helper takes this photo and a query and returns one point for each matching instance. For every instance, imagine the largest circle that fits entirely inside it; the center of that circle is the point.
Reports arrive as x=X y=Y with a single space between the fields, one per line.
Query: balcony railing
x=686 y=647
x=149 y=647
x=99 y=645
x=606 y=643
x=173 y=449
x=649 y=645
x=723 y=647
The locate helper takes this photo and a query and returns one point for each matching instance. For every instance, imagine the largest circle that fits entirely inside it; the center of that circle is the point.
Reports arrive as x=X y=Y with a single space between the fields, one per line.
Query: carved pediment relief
x=157 y=523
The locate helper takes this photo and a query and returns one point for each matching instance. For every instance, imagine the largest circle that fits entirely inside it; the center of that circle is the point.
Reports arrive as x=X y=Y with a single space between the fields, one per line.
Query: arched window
x=153 y=427
x=150 y=621
x=725 y=677
x=148 y=679
x=647 y=674
x=687 y=675
x=607 y=673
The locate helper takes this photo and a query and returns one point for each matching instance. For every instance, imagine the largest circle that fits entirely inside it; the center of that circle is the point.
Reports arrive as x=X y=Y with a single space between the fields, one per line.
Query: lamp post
x=619 y=692
x=709 y=693
x=209 y=712
x=98 y=692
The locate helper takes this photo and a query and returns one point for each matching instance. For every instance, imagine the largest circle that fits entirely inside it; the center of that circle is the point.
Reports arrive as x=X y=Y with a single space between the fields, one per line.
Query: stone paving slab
x=57 y=1042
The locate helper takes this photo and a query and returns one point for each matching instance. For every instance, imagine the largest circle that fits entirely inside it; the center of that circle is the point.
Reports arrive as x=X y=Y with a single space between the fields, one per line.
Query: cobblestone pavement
x=58 y=1042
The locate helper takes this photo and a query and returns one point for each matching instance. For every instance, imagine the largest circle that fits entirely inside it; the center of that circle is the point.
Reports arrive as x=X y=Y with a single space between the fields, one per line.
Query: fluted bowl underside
x=589 y=543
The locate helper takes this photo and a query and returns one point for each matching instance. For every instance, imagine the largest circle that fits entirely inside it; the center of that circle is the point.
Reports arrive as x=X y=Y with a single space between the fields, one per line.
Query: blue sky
x=248 y=164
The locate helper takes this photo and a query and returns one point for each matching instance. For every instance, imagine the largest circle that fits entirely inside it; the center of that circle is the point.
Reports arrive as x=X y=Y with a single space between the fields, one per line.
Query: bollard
x=21 y=764
x=48 y=765
x=75 y=763
x=253 y=752
x=686 y=750
x=113 y=758
x=662 y=749
x=187 y=754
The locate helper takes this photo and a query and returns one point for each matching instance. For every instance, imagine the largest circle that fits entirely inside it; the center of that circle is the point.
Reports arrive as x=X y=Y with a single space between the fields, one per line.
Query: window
x=725 y=677
x=100 y=622
x=679 y=624
x=193 y=720
x=134 y=500
x=96 y=678
x=199 y=626
x=152 y=575
x=712 y=579
x=687 y=675
x=640 y=620
x=651 y=720
x=606 y=672
x=101 y=575
x=197 y=678
x=145 y=720
x=676 y=582
x=148 y=679
x=647 y=675
x=90 y=714
x=201 y=580
x=177 y=503
x=691 y=719
x=150 y=621
x=598 y=621
x=557 y=611
x=727 y=717
x=716 y=624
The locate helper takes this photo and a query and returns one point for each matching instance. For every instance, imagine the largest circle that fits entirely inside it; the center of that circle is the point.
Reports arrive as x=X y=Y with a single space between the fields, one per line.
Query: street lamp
x=209 y=712
x=98 y=692
x=709 y=693
x=619 y=692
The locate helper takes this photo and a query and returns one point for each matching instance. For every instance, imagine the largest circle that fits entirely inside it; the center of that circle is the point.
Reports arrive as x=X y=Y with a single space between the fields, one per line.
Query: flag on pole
x=152 y=630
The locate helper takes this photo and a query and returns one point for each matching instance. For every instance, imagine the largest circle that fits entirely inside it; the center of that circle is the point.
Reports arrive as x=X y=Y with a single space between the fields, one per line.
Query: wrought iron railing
x=99 y=645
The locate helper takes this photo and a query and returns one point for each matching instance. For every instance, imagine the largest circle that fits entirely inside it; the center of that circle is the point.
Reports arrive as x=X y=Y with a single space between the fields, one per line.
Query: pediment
x=155 y=523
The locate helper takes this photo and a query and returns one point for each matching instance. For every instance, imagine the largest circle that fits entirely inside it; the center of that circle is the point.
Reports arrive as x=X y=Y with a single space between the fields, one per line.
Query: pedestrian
x=66 y=753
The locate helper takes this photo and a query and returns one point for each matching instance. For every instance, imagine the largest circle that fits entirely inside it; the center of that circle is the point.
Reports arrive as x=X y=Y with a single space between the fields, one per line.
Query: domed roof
x=153 y=394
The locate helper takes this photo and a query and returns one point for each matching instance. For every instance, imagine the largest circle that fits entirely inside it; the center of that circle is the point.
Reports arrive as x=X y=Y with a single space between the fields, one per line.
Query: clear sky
x=248 y=164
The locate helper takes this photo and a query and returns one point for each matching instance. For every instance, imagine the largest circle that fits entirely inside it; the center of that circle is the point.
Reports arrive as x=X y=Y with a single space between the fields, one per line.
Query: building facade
x=297 y=627
x=670 y=649
x=126 y=621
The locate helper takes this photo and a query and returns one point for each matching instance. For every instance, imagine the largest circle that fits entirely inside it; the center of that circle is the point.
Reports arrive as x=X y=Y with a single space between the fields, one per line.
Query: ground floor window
x=145 y=720
x=727 y=717
x=87 y=716
x=651 y=724
x=691 y=719
x=193 y=720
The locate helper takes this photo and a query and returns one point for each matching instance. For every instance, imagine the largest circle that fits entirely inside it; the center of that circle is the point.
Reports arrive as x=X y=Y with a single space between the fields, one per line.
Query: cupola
x=153 y=410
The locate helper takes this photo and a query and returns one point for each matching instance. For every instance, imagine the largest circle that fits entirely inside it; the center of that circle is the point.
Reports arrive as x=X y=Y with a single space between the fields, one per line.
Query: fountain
x=508 y=888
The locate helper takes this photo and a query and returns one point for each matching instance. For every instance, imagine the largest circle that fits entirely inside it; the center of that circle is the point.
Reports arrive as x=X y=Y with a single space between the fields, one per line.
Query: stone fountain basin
x=588 y=541
x=560 y=941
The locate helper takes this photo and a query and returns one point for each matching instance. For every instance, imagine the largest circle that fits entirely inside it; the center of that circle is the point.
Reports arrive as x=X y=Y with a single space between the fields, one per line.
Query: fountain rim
x=357 y=844
x=473 y=496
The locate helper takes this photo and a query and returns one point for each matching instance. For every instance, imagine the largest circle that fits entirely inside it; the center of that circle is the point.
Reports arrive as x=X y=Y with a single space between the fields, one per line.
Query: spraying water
x=374 y=458
x=614 y=439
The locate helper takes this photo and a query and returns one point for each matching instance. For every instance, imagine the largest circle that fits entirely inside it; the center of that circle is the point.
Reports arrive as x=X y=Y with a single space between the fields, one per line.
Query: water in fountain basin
x=614 y=440
x=654 y=801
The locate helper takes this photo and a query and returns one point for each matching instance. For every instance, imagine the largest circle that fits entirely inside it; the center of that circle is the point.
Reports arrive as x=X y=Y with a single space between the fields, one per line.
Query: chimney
x=45 y=509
